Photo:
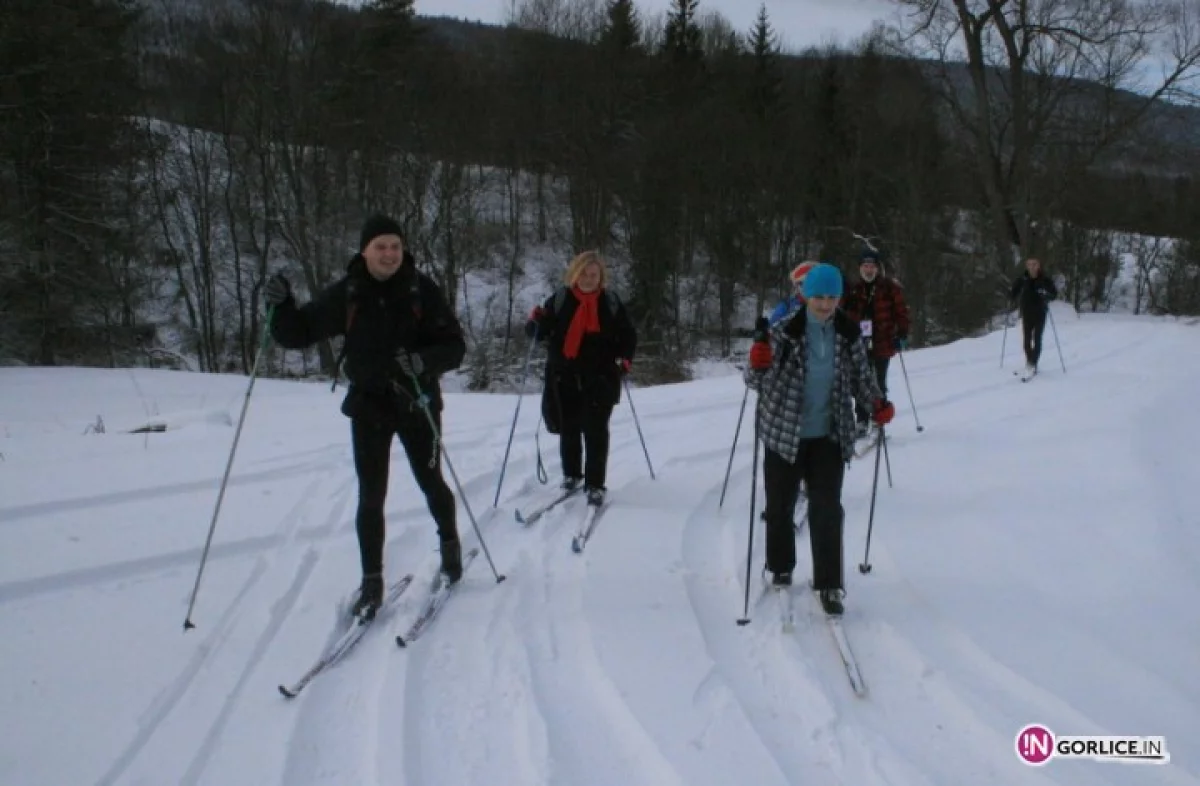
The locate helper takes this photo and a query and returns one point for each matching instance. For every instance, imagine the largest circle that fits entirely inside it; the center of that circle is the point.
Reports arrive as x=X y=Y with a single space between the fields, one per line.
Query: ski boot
x=452 y=567
x=570 y=484
x=595 y=496
x=831 y=601
x=370 y=597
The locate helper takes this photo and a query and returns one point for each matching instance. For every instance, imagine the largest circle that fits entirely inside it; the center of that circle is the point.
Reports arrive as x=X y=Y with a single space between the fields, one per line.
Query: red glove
x=760 y=356
x=884 y=412
x=537 y=313
x=624 y=364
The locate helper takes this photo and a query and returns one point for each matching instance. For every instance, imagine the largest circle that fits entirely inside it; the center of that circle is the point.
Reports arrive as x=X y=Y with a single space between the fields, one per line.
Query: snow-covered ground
x=1036 y=559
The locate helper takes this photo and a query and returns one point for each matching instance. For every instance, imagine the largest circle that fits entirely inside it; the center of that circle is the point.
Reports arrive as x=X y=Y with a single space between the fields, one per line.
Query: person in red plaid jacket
x=877 y=304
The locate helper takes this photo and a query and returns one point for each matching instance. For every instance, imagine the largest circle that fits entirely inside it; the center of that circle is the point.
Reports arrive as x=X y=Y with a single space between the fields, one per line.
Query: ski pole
x=440 y=448
x=512 y=430
x=880 y=447
x=745 y=618
x=1057 y=345
x=1004 y=342
x=237 y=435
x=542 y=475
x=887 y=460
x=629 y=396
x=761 y=333
x=911 y=402
x=733 y=448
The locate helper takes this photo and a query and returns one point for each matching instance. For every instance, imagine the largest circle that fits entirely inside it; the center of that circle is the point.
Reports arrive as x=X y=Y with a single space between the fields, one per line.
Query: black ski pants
x=819 y=464
x=585 y=412
x=1032 y=327
x=372 y=444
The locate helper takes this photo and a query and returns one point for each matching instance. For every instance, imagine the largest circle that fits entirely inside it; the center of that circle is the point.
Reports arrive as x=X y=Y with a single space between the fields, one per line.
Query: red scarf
x=586 y=320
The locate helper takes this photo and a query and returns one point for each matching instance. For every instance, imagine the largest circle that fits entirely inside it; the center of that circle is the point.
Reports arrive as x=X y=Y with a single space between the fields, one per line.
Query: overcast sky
x=798 y=23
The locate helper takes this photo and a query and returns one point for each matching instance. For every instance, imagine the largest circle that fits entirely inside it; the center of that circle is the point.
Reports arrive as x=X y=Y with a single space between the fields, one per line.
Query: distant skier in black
x=1032 y=292
x=400 y=337
x=591 y=344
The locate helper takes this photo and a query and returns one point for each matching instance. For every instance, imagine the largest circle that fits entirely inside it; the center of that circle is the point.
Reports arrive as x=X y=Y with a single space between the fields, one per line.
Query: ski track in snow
x=335 y=748
x=594 y=737
x=788 y=709
x=91 y=503
x=333 y=736
x=480 y=706
x=170 y=698
x=280 y=611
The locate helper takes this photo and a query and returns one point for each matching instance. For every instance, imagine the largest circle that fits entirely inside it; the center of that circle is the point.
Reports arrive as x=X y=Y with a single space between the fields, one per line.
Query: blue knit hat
x=824 y=280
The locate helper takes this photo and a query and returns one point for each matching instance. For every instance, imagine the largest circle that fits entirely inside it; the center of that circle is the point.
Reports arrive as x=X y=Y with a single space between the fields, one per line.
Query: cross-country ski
x=355 y=630
x=529 y=515
x=587 y=527
x=440 y=590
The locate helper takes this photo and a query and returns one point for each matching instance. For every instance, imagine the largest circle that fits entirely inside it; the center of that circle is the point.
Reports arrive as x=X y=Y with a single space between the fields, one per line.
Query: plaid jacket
x=781 y=387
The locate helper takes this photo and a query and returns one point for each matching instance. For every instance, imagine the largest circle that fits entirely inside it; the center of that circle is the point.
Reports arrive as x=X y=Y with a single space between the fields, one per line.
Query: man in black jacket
x=1032 y=292
x=400 y=336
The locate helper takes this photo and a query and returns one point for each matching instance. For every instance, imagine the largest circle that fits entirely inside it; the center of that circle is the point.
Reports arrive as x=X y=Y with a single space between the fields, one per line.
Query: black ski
x=845 y=653
x=587 y=527
x=530 y=516
x=787 y=610
x=439 y=592
x=340 y=648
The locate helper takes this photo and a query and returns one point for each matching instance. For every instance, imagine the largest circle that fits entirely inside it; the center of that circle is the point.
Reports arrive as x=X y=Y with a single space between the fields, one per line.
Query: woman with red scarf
x=591 y=342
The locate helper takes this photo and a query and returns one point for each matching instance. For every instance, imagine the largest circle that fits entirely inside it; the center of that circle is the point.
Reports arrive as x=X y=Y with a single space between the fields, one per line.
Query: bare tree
x=1034 y=68
x=1149 y=254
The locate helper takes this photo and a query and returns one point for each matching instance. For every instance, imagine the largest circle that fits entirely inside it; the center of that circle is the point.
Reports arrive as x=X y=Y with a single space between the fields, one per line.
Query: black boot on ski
x=595 y=496
x=831 y=601
x=570 y=483
x=452 y=567
x=370 y=597
x=783 y=579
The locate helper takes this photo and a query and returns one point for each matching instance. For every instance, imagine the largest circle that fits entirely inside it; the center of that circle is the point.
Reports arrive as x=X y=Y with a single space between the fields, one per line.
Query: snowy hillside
x=1036 y=558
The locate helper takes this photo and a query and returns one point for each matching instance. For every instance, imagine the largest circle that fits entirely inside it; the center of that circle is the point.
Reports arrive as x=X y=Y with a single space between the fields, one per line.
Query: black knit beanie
x=869 y=255
x=375 y=226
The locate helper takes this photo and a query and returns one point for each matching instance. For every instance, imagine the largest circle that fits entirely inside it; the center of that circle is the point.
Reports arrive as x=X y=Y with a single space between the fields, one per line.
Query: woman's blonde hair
x=581 y=261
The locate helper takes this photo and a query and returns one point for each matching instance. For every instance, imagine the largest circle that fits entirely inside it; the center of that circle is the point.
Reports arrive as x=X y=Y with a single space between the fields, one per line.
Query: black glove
x=277 y=290
x=410 y=364
x=534 y=323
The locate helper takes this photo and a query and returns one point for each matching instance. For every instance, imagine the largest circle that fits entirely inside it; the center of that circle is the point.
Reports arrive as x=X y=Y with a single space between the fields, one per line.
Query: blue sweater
x=817 y=413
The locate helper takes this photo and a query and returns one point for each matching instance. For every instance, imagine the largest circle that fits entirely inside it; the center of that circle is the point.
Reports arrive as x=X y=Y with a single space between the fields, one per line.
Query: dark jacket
x=781 y=387
x=408 y=311
x=882 y=303
x=1033 y=295
x=595 y=369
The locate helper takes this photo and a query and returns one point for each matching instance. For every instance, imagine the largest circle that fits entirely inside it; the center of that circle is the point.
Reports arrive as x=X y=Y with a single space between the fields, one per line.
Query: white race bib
x=866 y=326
